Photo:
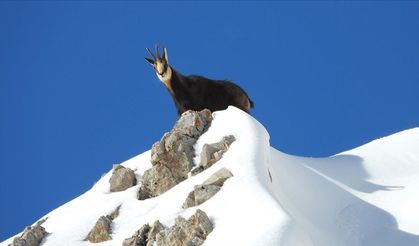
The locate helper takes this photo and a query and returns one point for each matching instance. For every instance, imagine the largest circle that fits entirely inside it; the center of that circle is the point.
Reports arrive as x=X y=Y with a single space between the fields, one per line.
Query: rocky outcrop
x=172 y=156
x=154 y=230
x=211 y=153
x=31 y=236
x=139 y=238
x=122 y=178
x=102 y=230
x=191 y=232
x=208 y=189
x=145 y=236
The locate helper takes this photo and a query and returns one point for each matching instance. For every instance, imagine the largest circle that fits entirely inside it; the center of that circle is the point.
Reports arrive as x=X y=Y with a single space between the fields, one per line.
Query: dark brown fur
x=197 y=93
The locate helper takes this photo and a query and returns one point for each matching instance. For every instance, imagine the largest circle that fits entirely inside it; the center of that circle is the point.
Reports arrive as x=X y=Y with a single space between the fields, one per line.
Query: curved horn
x=157 y=51
x=151 y=53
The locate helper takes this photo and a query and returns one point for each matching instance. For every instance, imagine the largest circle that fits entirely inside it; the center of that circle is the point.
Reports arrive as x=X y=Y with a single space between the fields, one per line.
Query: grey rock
x=203 y=193
x=211 y=153
x=194 y=123
x=207 y=155
x=200 y=194
x=122 y=178
x=31 y=236
x=200 y=224
x=171 y=237
x=155 y=229
x=139 y=238
x=190 y=200
x=219 y=177
x=156 y=181
x=172 y=156
x=191 y=232
x=197 y=170
x=207 y=189
x=145 y=236
x=115 y=213
x=181 y=222
x=101 y=231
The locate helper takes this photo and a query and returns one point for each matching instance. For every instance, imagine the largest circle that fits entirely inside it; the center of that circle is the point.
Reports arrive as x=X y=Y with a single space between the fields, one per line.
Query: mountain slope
x=365 y=196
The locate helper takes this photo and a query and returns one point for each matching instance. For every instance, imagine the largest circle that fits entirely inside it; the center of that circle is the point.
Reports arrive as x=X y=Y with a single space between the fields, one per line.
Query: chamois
x=197 y=92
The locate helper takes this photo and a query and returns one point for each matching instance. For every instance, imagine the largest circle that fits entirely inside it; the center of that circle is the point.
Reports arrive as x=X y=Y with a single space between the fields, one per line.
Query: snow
x=365 y=196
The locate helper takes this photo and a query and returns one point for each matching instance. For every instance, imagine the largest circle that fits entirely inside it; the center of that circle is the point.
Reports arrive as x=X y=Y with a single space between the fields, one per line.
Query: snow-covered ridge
x=365 y=196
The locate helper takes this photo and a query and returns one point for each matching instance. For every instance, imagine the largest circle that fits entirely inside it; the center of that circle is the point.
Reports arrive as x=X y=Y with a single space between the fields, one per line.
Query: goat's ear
x=149 y=60
x=165 y=56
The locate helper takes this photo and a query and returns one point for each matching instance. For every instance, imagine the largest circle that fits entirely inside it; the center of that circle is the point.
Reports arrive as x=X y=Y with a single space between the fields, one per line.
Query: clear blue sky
x=76 y=95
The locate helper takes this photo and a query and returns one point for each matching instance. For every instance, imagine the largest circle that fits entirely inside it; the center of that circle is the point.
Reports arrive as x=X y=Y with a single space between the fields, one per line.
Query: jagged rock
x=101 y=231
x=207 y=189
x=122 y=178
x=31 y=236
x=155 y=229
x=211 y=153
x=115 y=213
x=200 y=224
x=172 y=156
x=190 y=200
x=191 y=232
x=139 y=238
x=173 y=236
x=145 y=236
x=194 y=123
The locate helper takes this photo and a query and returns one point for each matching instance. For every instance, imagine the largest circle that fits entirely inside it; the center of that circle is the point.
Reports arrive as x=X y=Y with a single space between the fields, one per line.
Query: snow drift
x=365 y=196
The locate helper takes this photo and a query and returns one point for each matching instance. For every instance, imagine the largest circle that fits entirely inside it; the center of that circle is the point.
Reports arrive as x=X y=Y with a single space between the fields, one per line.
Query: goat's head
x=160 y=64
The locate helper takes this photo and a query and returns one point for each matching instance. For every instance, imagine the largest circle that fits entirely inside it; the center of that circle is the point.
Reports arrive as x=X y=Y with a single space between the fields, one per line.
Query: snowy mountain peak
x=257 y=195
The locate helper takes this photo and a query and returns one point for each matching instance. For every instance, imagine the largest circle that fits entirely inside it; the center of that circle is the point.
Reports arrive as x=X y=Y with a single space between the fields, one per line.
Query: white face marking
x=166 y=76
x=159 y=66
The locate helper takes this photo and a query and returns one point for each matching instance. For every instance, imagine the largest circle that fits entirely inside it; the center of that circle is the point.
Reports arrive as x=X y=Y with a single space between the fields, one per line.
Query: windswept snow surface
x=365 y=196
